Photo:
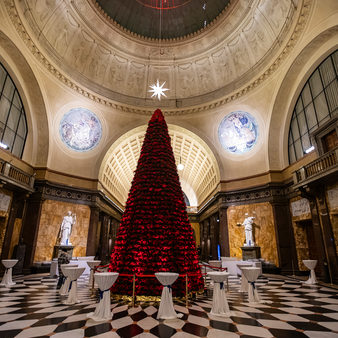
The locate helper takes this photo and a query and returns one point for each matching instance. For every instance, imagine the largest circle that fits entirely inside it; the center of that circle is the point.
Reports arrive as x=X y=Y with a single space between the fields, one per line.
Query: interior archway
x=293 y=82
x=38 y=130
x=199 y=178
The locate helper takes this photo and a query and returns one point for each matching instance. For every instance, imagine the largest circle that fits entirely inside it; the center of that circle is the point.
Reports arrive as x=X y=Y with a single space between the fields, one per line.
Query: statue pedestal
x=251 y=252
x=59 y=248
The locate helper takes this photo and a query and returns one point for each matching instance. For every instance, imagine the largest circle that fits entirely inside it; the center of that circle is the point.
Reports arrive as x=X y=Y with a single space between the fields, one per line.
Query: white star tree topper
x=158 y=90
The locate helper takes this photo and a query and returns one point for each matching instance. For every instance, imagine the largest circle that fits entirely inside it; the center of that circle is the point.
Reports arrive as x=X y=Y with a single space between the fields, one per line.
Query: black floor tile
x=318 y=309
x=129 y=331
x=120 y=314
x=197 y=330
x=260 y=315
x=198 y=313
x=97 y=329
x=163 y=331
x=286 y=334
x=308 y=326
x=318 y=318
x=245 y=321
x=9 y=333
x=70 y=326
x=49 y=321
x=138 y=316
x=223 y=326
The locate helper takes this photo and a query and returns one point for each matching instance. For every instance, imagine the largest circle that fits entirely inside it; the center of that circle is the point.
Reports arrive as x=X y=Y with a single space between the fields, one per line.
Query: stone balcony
x=14 y=176
x=323 y=167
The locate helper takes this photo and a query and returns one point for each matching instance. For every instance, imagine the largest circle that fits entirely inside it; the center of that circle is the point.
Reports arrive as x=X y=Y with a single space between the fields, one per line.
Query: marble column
x=286 y=247
x=223 y=230
x=323 y=235
x=214 y=235
x=16 y=211
x=92 y=230
x=104 y=238
x=30 y=227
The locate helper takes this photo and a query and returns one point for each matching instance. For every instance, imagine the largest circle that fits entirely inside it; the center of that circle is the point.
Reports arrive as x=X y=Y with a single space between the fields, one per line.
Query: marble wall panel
x=52 y=214
x=5 y=203
x=264 y=230
x=196 y=228
x=299 y=231
x=15 y=235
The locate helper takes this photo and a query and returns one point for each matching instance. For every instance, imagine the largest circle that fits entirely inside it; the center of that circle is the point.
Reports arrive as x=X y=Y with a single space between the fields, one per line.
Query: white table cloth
x=166 y=310
x=311 y=264
x=231 y=264
x=104 y=280
x=244 y=282
x=251 y=274
x=216 y=264
x=92 y=265
x=7 y=278
x=73 y=274
x=53 y=268
x=220 y=306
x=65 y=286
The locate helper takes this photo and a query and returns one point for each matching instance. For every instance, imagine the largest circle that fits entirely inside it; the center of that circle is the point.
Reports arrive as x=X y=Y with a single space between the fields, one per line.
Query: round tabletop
x=218 y=276
x=64 y=268
x=9 y=263
x=92 y=264
x=166 y=278
x=310 y=263
x=251 y=273
x=105 y=280
x=74 y=273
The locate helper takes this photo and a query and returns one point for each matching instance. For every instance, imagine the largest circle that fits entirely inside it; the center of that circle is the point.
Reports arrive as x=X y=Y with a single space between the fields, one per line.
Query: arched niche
x=199 y=178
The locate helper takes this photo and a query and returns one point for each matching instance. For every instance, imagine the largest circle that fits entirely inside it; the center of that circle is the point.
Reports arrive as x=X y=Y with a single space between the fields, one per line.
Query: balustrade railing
x=14 y=174
x=319 y=166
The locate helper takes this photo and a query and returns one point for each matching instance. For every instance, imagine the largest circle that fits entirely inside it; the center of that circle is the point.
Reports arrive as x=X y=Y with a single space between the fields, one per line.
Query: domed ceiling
x=165 y=19
x=105 y=50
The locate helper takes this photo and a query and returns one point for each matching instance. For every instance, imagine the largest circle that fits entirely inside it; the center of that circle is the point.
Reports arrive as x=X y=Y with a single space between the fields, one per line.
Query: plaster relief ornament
x=238 y=132
x=158 y=90
x=80 y=129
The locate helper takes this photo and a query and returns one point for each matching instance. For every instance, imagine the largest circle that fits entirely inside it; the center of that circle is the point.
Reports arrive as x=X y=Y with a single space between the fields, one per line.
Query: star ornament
x=158 y=90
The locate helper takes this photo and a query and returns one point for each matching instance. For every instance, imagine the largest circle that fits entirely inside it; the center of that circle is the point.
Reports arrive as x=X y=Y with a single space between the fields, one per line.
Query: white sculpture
x=66 y=228
x=248 y=223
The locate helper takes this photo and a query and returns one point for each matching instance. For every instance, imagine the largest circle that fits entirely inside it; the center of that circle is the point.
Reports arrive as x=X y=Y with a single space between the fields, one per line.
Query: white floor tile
x=254 y=331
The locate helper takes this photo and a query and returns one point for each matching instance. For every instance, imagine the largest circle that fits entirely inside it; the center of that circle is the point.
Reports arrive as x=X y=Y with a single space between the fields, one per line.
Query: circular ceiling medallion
x=80 y=129
x=238 y=132
x=163 y=4
x=163 y=19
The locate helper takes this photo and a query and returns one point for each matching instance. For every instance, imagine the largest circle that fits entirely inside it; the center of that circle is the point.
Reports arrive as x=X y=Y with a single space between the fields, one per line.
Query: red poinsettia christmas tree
x=155 y=233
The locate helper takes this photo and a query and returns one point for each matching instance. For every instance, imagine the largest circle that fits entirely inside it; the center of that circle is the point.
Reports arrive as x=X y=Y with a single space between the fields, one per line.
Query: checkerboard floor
x=33 y=308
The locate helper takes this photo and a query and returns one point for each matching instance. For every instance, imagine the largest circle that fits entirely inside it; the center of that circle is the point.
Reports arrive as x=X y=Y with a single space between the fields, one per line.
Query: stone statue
x=66 y=228
x=248 y=224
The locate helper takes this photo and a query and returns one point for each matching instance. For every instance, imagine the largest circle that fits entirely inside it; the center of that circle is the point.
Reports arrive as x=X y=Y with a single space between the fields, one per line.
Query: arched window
x=316 y=104
x=13 y=124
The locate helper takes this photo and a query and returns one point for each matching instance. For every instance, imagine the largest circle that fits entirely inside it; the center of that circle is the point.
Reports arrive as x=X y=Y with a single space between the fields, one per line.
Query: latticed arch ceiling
x=199 y=178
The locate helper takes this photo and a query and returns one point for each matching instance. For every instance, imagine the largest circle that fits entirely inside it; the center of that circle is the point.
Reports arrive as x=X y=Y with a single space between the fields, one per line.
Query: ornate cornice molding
x=92 y=198
x=298 y=29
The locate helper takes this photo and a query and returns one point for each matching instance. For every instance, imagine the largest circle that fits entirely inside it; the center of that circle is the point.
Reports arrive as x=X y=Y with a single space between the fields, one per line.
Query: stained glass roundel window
x=80 y=129
x=238 y=132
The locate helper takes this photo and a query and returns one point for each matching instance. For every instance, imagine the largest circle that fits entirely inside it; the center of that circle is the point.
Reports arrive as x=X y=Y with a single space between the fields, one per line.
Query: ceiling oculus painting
x=238 y=132
x=80 y=129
